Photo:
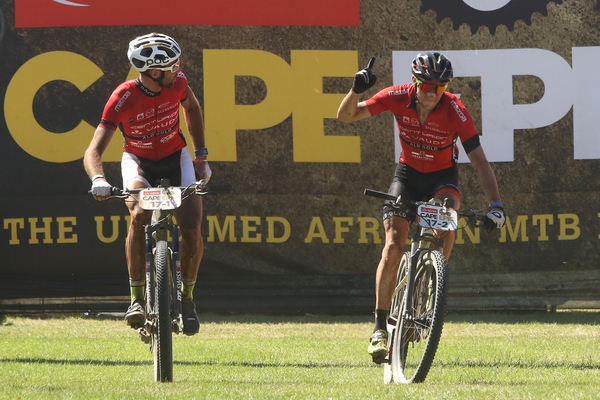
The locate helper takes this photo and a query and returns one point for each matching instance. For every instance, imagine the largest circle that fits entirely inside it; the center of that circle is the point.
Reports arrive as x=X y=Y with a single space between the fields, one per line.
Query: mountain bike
x=163 y=269
x=416 y=316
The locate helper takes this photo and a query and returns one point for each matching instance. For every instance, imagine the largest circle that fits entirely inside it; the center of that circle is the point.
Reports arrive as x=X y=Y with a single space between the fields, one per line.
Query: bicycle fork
x=153 y=234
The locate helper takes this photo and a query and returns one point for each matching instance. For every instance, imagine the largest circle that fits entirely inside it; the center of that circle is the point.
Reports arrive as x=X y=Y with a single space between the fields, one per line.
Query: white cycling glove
x=497 y=216
x=100 y=187
x=203 y=171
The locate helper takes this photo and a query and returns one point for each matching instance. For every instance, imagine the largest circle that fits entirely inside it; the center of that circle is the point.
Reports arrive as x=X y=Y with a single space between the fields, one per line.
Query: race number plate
x=160 y=198
x=435 y=217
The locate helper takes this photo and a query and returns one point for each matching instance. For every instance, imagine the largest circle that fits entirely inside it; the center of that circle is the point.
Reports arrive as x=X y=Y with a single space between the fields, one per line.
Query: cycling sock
x=380 y=320
x=137 y=287
x=187 y=290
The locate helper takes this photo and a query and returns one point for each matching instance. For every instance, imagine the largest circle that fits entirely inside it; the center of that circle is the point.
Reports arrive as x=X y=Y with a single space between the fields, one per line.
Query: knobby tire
x=416 y=340
x=395 y=309
x=163 y=339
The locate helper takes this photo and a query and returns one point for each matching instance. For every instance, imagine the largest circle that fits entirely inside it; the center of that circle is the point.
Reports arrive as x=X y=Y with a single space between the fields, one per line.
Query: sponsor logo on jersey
x=459 y=112
x=397 y=92
x=167 y=138
x=122 y=101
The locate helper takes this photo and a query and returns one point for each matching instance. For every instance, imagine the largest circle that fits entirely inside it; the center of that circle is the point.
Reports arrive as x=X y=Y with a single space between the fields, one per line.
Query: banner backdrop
x=270 y=79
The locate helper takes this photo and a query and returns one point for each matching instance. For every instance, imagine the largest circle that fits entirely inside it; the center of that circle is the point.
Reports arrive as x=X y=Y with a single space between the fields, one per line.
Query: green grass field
x=484 y=356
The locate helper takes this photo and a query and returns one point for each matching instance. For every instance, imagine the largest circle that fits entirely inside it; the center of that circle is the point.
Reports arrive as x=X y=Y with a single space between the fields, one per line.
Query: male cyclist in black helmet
x=147 y=112
x=430 y=121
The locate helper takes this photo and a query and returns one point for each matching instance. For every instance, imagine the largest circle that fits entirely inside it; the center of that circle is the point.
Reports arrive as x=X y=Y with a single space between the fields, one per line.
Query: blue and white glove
x=101 y=188
x=496 y=215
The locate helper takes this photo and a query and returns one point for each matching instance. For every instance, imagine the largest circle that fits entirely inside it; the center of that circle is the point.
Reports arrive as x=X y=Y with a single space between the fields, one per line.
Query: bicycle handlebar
x=473 y=214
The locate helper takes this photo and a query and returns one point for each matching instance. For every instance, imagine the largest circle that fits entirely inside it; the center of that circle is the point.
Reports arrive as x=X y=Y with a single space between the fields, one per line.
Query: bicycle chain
x=461 y=13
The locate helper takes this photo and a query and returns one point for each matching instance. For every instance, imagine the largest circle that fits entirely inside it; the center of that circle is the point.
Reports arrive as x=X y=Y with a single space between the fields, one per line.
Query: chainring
x=461 y=13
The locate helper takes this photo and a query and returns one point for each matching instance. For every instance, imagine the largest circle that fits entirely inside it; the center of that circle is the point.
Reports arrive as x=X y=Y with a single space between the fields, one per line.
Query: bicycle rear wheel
x=419 y=328
x=395 y=308
x=162 y=343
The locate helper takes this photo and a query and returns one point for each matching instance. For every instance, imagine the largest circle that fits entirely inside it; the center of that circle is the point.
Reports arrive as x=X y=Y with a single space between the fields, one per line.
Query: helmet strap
x=157 y=80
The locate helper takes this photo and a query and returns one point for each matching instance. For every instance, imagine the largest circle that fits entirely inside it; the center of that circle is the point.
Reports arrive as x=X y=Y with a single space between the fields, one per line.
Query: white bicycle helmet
x=154 y=50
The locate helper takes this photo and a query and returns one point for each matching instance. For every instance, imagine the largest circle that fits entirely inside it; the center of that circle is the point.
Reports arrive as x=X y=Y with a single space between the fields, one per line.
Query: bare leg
x=135 y=244
x=396 y=233
x=189 y=218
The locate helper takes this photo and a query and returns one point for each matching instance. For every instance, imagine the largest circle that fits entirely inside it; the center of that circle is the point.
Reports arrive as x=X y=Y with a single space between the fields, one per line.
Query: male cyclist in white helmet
x=147 y=112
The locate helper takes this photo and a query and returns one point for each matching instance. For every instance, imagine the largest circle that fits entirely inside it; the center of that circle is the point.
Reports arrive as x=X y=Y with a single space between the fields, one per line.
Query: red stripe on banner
x=52 y=13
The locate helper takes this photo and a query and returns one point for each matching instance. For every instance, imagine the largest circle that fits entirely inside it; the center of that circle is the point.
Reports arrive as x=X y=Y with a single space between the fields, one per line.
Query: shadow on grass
x=541 y=364
x=257 y=318
x=259 y=364
x=563 y=317
x=591 y=317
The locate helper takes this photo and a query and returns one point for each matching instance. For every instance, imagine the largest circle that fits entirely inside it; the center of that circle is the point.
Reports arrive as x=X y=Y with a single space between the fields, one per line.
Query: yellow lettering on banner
x=44 y=229
x=18 y=107
x=223 y=116
x=100 y=228
x=63 y=229
x=316 y=230
x=339 y=229
x=295 y=89
x=543 y=220
x=564 y=226
x=311 y=106
x=247 y=229
x=474 y=237
x=521 y=225
x=13 y=224
x=228 y=226
x=271 y=226
x=373 y=229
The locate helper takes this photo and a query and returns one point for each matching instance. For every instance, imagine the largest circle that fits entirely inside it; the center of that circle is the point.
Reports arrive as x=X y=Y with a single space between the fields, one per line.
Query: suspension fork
x=415 y=251
x=176 y=270
x=149 y=258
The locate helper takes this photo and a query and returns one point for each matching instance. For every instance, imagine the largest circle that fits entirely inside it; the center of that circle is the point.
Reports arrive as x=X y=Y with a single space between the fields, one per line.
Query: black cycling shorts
x=417 y=186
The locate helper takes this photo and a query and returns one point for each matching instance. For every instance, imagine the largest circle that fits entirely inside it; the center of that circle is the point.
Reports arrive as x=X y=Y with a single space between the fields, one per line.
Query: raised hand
x=364 y=79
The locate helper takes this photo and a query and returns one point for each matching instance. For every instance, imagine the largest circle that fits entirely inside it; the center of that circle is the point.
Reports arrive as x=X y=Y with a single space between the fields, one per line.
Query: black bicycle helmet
x=432 y=67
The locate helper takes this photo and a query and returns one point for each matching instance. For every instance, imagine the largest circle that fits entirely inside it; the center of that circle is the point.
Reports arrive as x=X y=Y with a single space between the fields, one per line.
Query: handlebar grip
x=115 y=191
x=488 y=224
x=381 y=195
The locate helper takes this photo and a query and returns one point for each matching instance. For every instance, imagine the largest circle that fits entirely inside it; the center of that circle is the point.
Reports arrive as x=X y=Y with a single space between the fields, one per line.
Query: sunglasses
x=173 y=67
x=428 y=87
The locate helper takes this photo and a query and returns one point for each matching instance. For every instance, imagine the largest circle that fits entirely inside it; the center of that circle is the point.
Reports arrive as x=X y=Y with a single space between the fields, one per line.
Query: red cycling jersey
x=431 y=146
x=148 y=120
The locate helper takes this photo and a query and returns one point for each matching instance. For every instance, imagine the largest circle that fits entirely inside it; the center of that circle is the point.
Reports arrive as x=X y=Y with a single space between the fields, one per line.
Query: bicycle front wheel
x=419 y=328
x=395 y=310
x=162 y=343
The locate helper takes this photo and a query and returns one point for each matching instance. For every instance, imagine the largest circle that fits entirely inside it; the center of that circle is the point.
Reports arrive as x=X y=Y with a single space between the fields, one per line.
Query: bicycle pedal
x=144 y=335
x=176 y=328
x=380 y=360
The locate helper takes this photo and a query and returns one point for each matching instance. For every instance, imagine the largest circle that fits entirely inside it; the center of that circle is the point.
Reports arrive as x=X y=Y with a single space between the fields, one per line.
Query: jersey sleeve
x=182 y=85
x=465 y=127
x=110 y=116
x=386 y=98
